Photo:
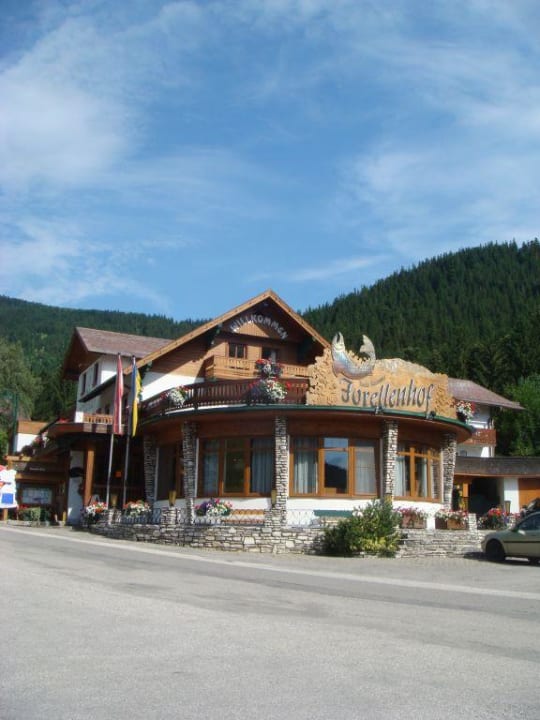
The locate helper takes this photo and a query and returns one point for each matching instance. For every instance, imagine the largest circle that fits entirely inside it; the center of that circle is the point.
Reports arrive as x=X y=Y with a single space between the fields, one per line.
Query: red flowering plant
x=92 y=512
x=268 y=388
x=136 y=507
x=409 y=516
x=496 y=518
x=268 y=368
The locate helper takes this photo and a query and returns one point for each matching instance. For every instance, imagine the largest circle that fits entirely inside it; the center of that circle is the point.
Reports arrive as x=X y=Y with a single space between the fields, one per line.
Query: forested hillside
x=41 y=333
x=473 y=314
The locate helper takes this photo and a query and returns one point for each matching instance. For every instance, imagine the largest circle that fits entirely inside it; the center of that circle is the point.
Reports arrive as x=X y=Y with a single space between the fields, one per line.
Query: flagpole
x=132 y=420
x=126 y=466
x=109 y=469
x=117 y=418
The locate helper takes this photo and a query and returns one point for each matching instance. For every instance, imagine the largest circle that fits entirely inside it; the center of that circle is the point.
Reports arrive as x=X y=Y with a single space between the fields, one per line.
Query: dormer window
x=237 y=350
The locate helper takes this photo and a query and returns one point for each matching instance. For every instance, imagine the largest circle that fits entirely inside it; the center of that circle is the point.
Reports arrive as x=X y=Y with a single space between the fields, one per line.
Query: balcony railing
x=223 y=368
x=97 y=418
x=221 y=393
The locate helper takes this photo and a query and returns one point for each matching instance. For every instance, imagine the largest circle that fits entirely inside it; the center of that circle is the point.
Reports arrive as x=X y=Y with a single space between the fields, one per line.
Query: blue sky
x=179 y=158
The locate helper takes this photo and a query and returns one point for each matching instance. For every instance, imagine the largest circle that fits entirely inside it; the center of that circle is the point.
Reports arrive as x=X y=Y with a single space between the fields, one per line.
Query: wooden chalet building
x=255 y=407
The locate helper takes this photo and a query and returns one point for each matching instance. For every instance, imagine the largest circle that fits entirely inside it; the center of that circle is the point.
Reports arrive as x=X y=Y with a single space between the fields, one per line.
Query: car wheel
x=534 y=561
x=495 y=551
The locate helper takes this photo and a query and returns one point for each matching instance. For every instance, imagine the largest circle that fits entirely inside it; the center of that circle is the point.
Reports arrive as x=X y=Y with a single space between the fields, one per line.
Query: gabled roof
x=471 y=392
x=87 y=344
x=267 y=296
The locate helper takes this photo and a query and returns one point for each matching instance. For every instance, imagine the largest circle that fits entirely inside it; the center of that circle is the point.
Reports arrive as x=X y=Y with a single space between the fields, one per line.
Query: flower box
x=413 y=522
x=441 y=523
x=452 y=524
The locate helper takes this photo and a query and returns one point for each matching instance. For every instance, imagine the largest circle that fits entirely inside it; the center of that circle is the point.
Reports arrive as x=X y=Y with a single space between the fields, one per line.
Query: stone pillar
x=189 y=448
x=390 y=442
x=449 y=465
x=277 y=515
x=150 y=464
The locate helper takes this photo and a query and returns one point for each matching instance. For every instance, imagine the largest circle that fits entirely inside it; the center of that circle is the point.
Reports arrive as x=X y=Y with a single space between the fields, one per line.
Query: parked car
x=522 y=540
x=533 y=506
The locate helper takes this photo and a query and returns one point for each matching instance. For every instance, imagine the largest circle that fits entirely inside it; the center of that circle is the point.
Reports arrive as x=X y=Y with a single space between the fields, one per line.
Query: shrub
x=372 y=529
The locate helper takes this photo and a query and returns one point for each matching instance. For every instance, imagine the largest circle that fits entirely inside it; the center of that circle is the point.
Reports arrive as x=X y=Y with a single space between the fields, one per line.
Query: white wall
x=21 y=440
x=74 y=499
x=154 y=383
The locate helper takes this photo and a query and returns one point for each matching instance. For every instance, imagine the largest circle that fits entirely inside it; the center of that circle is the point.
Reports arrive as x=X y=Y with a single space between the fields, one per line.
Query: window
x=210 y=468
x=262 y=466
x=236 y=466
x=336 y=466
x=95 y=375
x=237 y=350
x=233 y=472
x=83 y=383
x=269 y=353
x=170 y=468
x=365 y=470
x=305 y=466
x=418 y=473
x=333 y=466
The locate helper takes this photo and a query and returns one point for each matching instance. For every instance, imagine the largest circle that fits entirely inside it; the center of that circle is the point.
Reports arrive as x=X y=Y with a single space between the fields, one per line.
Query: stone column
x=150 y=464
x=189 y=447
x=449 y=465
x=390 y=442
x=277 y=515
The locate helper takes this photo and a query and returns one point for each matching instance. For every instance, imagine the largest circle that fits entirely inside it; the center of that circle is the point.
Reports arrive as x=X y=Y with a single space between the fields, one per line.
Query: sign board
x=344 y=379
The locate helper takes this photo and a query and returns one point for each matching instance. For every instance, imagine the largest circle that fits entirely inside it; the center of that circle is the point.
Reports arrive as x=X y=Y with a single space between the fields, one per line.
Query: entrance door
x=483 y=495
x=529 y=490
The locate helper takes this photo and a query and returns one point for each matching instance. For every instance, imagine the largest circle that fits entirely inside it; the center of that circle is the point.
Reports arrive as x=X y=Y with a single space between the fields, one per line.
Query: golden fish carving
x=346 y=363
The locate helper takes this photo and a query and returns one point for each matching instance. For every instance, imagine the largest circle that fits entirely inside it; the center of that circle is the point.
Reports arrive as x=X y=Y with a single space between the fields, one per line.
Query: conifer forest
x=472 y=314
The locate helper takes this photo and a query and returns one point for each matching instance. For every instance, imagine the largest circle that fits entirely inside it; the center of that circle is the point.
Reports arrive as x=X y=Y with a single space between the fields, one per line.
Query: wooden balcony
x=97 y=419
x=80 y=423
x=222 y=393
x=225 y=368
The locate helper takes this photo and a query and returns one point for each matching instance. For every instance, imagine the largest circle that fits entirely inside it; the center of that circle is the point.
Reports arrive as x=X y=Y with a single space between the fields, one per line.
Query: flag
x=135 y=392
x=118 y=396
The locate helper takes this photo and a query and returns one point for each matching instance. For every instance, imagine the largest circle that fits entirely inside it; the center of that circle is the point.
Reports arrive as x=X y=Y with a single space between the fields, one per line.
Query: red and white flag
x=118 y=397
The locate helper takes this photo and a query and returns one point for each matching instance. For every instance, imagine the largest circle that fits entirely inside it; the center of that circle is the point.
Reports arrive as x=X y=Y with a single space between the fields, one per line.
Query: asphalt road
x=98 y=629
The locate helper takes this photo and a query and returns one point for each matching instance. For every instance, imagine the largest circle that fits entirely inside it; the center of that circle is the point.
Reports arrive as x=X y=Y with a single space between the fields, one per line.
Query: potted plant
x=135 y=508
x=464 y=410
x=441 y=519
x=267 y=390
x=412 y=517
x=213 y=509
x=92 y=512
x=177 y=396
x=457 y=520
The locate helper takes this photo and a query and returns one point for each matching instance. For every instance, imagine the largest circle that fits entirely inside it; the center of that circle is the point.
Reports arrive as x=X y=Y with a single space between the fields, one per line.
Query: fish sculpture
x=346 y=363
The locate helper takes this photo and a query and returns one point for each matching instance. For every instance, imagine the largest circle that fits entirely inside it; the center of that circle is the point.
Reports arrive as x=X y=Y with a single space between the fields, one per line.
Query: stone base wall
x=448 y=543
x=307 y=541
x=243 y=538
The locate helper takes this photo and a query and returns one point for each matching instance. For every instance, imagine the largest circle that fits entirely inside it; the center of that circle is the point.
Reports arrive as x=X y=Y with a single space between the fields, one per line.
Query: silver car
x=522 y=540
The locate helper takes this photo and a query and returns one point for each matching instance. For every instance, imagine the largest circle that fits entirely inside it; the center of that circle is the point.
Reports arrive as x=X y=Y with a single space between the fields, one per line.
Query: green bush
x=373 y=529
x=35 y=514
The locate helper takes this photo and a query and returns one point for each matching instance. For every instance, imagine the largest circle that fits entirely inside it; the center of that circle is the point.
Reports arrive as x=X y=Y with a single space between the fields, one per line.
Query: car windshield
x=530 y=523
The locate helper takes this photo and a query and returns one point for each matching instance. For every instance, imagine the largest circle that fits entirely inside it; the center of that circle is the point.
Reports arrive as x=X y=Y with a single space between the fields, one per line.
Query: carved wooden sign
x=341 y=378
